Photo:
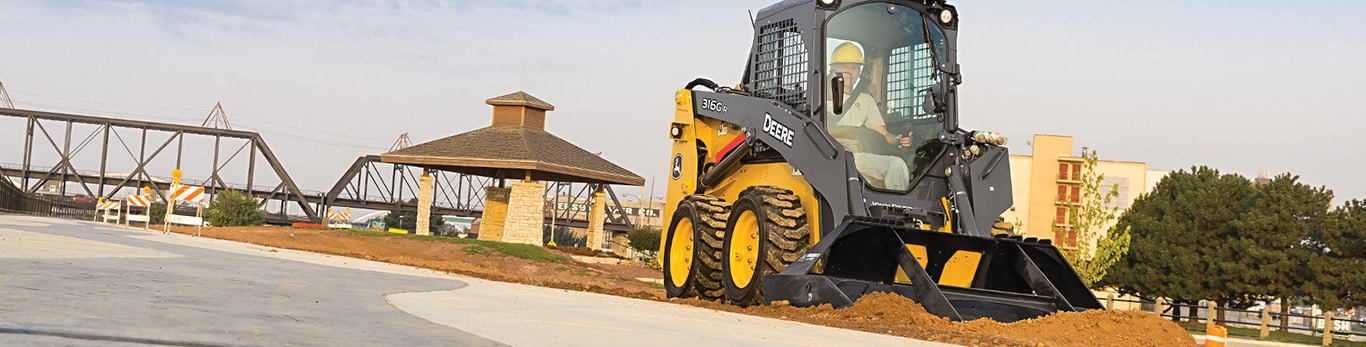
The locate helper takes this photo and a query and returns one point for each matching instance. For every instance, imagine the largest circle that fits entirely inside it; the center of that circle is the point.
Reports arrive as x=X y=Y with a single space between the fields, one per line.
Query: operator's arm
x=873 y=120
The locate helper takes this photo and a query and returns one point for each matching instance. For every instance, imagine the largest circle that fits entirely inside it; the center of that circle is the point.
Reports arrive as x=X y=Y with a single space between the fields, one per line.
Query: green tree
x=644 y=240
x=233 y=208
x=1175 y=229
x=407 y=220
x=1098 y=246
x=1265 y=251
x=563 y=237
x=1338 y=267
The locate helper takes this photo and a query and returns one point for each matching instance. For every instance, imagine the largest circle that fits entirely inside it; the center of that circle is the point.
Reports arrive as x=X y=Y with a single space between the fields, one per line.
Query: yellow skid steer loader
x=836 y=168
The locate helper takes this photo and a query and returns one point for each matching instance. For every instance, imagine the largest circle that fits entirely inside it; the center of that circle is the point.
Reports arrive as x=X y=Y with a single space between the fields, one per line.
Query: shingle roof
x=513 y=151
x=521 y=98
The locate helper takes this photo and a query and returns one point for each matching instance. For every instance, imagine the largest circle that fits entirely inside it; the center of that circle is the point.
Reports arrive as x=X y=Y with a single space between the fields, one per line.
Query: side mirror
x=934 y=100
x=837 y=93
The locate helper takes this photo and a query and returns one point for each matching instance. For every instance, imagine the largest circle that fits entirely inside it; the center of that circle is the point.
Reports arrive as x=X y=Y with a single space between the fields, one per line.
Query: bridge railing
x=15 y=200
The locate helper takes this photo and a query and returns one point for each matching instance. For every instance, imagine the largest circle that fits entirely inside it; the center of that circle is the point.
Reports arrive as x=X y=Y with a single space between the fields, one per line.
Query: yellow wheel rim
x=680 y=252
x=744 y=248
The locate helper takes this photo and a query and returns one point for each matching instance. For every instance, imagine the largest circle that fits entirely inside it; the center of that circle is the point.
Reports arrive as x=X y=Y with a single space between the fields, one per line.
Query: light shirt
x=863 y=112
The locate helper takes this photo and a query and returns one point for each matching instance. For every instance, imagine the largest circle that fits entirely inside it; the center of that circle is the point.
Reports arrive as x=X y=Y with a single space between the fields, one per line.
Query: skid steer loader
x=836 y=168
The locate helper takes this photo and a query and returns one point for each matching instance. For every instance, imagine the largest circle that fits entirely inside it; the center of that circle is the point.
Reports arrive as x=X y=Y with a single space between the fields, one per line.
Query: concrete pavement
x=85 y=283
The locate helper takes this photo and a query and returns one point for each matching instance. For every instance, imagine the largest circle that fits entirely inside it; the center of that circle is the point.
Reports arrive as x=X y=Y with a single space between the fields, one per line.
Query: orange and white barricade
x=1215 y=336
x=143 y=201
x=185 y=193
x=109 y=210
x=339 y=219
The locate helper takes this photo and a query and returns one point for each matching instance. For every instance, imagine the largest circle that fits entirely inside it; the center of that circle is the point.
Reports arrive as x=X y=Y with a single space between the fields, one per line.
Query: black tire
x=685 y=273
x=780 y=233
x=712 y=213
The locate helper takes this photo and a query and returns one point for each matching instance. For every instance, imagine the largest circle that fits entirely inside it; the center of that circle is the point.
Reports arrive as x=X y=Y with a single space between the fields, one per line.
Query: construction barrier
x=143 y=201
x=185 y=193
x=1215 y=336
x=339 y=219
x=109 y=210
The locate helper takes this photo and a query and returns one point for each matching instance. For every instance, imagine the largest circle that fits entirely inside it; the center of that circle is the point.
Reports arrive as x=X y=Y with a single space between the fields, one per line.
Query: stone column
x=424 y=204
x=596 y=215
x=495 y=213
x=525 y=213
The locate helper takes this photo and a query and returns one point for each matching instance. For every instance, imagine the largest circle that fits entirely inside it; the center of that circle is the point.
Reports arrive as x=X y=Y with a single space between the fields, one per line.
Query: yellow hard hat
x=847 y=53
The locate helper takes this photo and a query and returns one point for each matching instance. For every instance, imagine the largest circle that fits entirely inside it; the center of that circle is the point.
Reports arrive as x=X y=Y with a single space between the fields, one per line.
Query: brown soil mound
x=880 y=313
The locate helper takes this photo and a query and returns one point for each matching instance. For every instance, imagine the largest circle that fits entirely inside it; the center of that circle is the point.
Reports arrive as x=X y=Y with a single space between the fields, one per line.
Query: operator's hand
x=906 y=139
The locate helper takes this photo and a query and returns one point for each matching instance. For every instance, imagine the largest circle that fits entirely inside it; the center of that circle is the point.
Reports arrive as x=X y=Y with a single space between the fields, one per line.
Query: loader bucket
x=953 y=276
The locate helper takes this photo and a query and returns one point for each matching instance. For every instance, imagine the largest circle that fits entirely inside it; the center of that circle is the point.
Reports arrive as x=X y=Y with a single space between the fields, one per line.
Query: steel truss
x=34 y=177
x=372 y=184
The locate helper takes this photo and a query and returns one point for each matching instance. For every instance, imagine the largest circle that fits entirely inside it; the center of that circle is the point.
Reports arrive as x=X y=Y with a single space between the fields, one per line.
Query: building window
x=1062 y=215
x=1062 y=193
x=1076 y=194
x=1063 y=169
x=1076 y=172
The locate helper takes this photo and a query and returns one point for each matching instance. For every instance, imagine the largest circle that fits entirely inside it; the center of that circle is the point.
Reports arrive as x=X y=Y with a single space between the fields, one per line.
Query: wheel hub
x=744 y=248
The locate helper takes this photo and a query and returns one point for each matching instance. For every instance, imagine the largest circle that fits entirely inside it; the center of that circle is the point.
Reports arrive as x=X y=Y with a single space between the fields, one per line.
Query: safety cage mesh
x=780 y=64
x=910 y=73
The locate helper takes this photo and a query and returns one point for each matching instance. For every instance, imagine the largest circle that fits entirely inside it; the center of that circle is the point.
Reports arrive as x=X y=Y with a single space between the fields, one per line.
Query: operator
x=847 y=60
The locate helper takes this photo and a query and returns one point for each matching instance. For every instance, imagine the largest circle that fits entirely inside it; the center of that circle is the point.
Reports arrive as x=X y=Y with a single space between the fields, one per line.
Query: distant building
x=1047 y=181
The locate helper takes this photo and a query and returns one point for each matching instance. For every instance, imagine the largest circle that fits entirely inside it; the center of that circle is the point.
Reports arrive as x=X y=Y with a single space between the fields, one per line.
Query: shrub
x=644 y=240
x=563 y=237
x=157 y=213
x=233 y=208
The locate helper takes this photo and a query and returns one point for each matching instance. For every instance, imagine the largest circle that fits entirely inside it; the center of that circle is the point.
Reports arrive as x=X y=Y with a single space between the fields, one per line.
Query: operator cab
x=897 y=71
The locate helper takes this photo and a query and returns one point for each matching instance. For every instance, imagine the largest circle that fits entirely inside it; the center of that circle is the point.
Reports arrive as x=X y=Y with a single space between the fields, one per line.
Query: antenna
x=217 y=118
x=751 y=17
x=401 y=143
x=4 y=98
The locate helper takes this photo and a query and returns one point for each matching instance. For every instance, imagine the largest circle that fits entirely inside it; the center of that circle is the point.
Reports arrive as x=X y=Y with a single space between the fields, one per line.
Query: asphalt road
x=74 y=283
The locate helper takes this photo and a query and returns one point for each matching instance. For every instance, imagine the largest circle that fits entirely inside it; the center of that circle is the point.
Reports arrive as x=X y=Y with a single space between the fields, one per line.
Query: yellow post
x=1110 y=301
x=1266 y=321
x=1327 y=326
x=170 y=201
x=147 y=191
x=199 y=214
x=1209 y=315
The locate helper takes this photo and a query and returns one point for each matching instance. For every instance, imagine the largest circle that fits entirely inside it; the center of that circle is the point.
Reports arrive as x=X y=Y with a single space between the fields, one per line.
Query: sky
x=1242 y=86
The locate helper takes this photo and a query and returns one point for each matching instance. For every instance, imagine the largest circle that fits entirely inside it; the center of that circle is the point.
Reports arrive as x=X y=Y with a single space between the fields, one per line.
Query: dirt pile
x=877 y=313
x=893 y=314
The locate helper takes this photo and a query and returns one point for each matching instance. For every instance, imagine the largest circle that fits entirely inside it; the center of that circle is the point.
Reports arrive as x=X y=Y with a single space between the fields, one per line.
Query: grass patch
x=1276 y=336
x=515 y=250
x=477 y=249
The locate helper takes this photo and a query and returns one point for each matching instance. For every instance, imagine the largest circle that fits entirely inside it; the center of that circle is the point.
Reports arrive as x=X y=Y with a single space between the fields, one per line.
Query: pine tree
x=1175 y=229
x=1338 y=267
x=1265 y=253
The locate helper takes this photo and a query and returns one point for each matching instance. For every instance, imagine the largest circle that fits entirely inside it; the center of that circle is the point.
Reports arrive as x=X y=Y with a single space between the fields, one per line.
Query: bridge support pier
x=596 y=216
x=526 y=214
x=424 y=203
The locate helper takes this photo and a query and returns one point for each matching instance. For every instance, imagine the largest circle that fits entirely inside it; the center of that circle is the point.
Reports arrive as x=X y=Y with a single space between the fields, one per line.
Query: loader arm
x=799 y=139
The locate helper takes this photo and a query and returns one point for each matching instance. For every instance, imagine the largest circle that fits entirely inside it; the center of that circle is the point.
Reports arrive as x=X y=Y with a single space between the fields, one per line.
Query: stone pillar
x=596 y=215
x=424 y=204
x=525 y=214
x=495 y=213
